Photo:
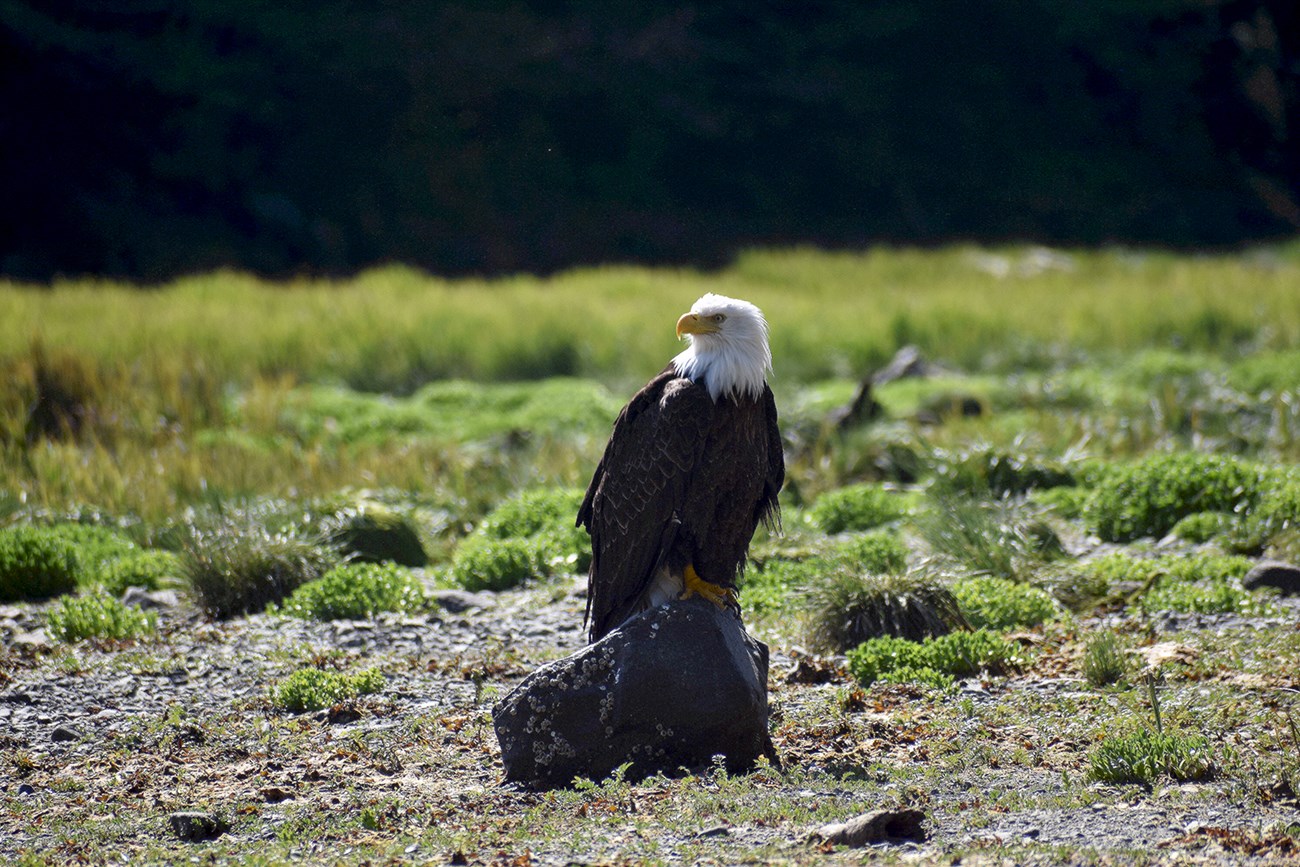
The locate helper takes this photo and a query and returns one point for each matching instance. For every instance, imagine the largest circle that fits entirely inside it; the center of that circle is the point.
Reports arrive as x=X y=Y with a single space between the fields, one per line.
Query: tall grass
x=222 y=386
x=832 y=314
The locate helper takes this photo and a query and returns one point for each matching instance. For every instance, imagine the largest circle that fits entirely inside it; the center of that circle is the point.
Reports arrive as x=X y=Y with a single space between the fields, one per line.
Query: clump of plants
x=548 y=516
x=1143 y=756
x=356 y=590
x=989 y=602
x=768 y=588
x=1201 y=527
x=237 y=566
x=1150 y=496
x=985 y=471
x=98 y=615
x=35 y=564
x=989 y=537
x=309 y=689
x=856 y=507
x=148 y=569
x=957 y=654
x=1104 y=662
x=375 y=533
x=482 y=563
x=845 y=607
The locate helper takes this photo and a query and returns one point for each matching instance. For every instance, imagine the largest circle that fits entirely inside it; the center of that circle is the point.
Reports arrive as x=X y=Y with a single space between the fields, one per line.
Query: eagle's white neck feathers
x=733 y=358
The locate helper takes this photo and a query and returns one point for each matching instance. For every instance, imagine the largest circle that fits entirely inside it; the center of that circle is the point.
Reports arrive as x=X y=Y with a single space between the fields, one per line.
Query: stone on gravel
x=150 y=599
x=1273 y=573
x=196 y=827
x=460 y=601
x=670 y=688
x=65 y=733
x=879 y=826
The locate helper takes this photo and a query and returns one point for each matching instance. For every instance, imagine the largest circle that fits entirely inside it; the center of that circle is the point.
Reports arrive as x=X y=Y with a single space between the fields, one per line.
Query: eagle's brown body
x=685 y=480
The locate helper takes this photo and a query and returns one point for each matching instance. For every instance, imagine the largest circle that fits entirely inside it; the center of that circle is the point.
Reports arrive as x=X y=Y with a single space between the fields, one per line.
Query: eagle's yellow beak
x=693 y=323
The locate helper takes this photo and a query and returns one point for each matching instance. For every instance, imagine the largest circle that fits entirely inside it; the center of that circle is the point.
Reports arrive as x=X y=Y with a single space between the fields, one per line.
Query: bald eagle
x=693 y=465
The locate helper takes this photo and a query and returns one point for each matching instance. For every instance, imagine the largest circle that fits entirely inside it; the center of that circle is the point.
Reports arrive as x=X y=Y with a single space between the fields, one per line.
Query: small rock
x=1273 y=573
x=889 y=825
x=715 y=831
x=195 y=827
x=26 y=789
x=458 y=601
x=275 y=794
x=33 y=639
x=150 y=599
x=66 y=733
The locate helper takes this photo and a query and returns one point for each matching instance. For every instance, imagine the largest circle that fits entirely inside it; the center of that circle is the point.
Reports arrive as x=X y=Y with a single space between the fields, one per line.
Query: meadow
x=1103 y=444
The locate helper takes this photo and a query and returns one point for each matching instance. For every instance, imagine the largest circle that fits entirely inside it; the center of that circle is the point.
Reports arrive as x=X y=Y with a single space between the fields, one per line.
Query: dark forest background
x=147 y=138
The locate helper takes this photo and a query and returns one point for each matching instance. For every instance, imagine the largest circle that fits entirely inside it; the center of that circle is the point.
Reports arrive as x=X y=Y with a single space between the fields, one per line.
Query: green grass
x=1145 y=756
x=309 y=689
x=97 y=615
x=957 y=654
x=356 y=590
x=35 y=564
x=989 y=602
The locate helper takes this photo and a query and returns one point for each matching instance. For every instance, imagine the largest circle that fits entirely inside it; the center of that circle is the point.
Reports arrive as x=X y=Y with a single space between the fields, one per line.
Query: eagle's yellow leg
x=723 y=597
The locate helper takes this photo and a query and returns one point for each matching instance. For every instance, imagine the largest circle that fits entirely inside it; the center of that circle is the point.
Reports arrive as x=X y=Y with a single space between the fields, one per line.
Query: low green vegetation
x=1145 y=756
x=1150 y=496
x=355 y=591
x=499 y=564
x=309 y=689
x=35 y=564
x=1104 y=662
x=856 y=507
x=988 y=602
x=98 y=615
x=956 y=654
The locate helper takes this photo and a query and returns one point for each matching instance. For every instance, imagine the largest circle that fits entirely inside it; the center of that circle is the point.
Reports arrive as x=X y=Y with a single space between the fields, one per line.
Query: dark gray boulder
x=671 y=688
x=1273 y=573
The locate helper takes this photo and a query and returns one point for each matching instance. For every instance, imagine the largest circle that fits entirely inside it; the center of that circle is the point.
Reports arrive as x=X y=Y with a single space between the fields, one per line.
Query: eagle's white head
x=728 y=350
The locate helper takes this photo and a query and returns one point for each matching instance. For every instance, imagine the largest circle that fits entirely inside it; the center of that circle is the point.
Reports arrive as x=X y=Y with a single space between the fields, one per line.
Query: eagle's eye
x=719 y=317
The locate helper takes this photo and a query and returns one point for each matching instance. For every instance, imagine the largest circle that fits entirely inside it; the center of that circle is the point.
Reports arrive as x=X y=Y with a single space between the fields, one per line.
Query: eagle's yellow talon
x=723 y=597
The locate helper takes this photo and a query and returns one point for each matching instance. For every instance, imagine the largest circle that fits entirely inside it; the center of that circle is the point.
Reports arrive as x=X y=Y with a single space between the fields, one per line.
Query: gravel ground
x=103 y=743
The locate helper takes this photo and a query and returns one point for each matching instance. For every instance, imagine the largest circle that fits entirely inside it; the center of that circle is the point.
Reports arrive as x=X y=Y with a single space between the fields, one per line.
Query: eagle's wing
x=769 y=509
x=633 y=502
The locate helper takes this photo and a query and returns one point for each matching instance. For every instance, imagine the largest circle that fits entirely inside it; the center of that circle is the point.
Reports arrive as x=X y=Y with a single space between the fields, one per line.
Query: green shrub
x=921 y=674
x=1201 y=527
x=1104 y=662
x=35 y=564
x=140 y=568
x=97 y=615
x=845 y=608
x=499 y=564
x=856 y=507
x=547 y=515
x=1206 y=597
x=1272 y=372
x=236 y=566
x=1144 y=756
x=1149 y=497
x=375 y=533
x=957 y=654
x=1275 y=515
x=1065 y=502
x=97 y=548
x=989 y=602
x=872 y=553
x=356 y=590
x=315 y=689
